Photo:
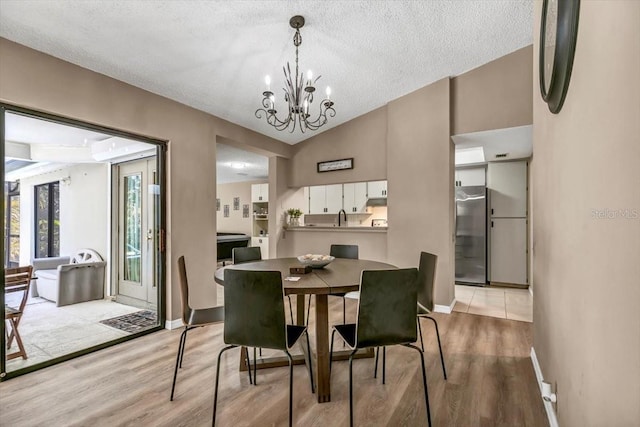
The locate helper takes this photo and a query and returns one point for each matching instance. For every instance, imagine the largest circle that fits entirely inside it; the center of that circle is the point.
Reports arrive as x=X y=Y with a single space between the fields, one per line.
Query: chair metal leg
x=420 y=333
x=290 y=388
x=215 y=393
x=255 y=364
x=248 y=363
x=184 y=343
x=313 y=389
x=344 y=311
x=444 y=370
x=375 y=372
x=424 y=380
x=331 y=351
x=344 y=316
x=384 y=363
x=183 y=337
x=351 y=387
x=308 y=310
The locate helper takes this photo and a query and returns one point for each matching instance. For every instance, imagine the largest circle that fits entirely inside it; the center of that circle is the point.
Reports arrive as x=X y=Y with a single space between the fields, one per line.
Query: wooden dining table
x=340 y=276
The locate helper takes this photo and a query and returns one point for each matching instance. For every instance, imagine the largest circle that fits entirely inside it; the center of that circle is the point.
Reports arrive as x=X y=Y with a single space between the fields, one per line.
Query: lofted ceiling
x=236 y=165
x=213 y=55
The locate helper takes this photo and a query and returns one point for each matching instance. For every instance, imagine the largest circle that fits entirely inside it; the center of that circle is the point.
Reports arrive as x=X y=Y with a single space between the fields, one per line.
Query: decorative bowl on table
x=315 y=261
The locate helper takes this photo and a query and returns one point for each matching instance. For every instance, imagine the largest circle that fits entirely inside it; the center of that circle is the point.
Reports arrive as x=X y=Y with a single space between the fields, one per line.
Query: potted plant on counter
x=294 y=217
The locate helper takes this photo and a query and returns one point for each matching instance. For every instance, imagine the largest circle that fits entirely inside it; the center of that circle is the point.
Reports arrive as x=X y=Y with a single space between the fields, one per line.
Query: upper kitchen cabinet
x=470 y=177
x=260 y=193
x=377 y=189
x=507 y=182
x=355 y=197
x=325 y=199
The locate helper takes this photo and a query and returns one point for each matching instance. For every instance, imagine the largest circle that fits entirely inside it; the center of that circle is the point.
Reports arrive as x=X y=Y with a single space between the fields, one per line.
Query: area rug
x=134 y=322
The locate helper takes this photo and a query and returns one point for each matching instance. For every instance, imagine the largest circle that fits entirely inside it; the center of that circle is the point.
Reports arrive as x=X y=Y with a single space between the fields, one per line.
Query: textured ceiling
x=235 y=165
x=213 y=55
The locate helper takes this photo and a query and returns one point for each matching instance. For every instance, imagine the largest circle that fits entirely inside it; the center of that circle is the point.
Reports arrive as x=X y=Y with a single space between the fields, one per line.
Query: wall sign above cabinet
x=335 y=165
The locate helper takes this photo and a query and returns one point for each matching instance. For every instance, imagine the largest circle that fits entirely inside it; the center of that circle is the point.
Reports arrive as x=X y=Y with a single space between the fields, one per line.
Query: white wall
x=84 y=216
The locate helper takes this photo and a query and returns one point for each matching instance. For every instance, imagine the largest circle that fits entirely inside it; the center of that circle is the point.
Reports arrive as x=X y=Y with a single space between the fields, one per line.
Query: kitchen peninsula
x=372 y=241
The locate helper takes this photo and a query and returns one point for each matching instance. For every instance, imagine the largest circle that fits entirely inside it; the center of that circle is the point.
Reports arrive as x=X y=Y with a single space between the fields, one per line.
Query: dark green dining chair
x=387 y=310
x=426 y=277
x=346 y=252
x=192 y=318
x=254 y=317
x=247 y=254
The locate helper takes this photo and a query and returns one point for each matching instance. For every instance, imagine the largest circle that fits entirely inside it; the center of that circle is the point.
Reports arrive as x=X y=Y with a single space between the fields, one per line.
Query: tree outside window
x=47 y=220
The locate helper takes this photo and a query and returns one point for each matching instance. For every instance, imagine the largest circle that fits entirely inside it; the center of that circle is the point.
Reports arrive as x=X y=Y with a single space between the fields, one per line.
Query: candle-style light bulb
x=267 y=80
x=309 y=76
x=328 y=92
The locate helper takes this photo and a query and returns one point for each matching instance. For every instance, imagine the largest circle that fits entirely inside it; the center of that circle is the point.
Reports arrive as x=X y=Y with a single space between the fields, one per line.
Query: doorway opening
x=85 y=207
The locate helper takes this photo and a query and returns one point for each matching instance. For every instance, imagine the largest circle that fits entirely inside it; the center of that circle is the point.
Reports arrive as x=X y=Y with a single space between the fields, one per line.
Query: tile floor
x=48 y=331
x=505 y=303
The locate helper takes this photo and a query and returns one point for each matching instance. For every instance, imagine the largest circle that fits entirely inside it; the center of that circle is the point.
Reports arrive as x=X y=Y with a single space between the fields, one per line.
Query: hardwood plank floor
x=491 y=383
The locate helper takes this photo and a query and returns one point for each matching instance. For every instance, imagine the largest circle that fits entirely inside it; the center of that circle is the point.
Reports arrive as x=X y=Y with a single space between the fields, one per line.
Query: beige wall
x=82 y=223
x=235 y=223
x=363 y=138
x=494 y=96
x=35 y=80
x=420 y=183
x=586 y=268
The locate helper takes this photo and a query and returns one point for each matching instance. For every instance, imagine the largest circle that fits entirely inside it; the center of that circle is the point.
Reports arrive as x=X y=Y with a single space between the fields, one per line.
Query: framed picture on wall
x=218 y=205
x=245 y=211
x=236 y=203
x=226 y=211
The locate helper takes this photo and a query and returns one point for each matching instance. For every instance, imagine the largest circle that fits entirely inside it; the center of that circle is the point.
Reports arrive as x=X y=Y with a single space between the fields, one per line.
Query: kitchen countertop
x=326 y=228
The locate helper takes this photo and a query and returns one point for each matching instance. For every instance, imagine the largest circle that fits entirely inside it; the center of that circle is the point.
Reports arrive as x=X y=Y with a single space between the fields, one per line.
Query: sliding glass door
x=67 y=187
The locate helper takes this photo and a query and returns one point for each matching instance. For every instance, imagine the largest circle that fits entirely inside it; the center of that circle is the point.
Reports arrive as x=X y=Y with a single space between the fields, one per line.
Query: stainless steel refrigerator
x=471 y=235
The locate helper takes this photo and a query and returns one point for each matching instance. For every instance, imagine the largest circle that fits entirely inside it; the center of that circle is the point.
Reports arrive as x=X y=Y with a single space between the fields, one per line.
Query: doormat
x=134 y=322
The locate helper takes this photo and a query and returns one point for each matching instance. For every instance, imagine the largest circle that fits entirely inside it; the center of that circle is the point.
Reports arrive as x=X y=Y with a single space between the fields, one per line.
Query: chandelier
x=298 y=95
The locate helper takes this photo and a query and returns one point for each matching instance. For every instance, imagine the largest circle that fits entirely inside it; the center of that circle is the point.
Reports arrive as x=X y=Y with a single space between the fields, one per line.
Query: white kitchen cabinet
x=325 y=199
x=260 y=192
x=507 y=183
x=377 y=189
x=263 y=243
x=470 y=177
x=508 y=250
x=354 y=197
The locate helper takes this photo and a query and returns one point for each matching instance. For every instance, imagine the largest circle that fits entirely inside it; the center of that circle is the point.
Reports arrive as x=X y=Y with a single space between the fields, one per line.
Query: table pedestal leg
x=300 y=309
x=323 y=384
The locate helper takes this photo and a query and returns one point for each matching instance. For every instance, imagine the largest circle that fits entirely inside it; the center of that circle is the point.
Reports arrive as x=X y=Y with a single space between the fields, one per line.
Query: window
x=47 y=217
x=12 y=224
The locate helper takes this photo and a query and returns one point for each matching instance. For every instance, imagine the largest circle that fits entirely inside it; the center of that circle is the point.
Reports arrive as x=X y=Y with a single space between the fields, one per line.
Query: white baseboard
x=437 y=308
x=173 y=324
x=548 y=406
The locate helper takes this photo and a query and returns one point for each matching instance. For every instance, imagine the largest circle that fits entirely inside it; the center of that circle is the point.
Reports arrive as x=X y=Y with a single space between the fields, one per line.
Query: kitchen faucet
x=342 y=211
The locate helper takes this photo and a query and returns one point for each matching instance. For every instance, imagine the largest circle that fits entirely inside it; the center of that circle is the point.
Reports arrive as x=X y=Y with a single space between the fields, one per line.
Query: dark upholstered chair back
x=426 y=277
x=254 y=309
x=387 y=308
x=248 y=254
x=344 y=251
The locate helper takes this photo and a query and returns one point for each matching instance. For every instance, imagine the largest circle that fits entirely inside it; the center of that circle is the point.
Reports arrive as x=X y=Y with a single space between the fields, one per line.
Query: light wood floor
x=491 y=383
